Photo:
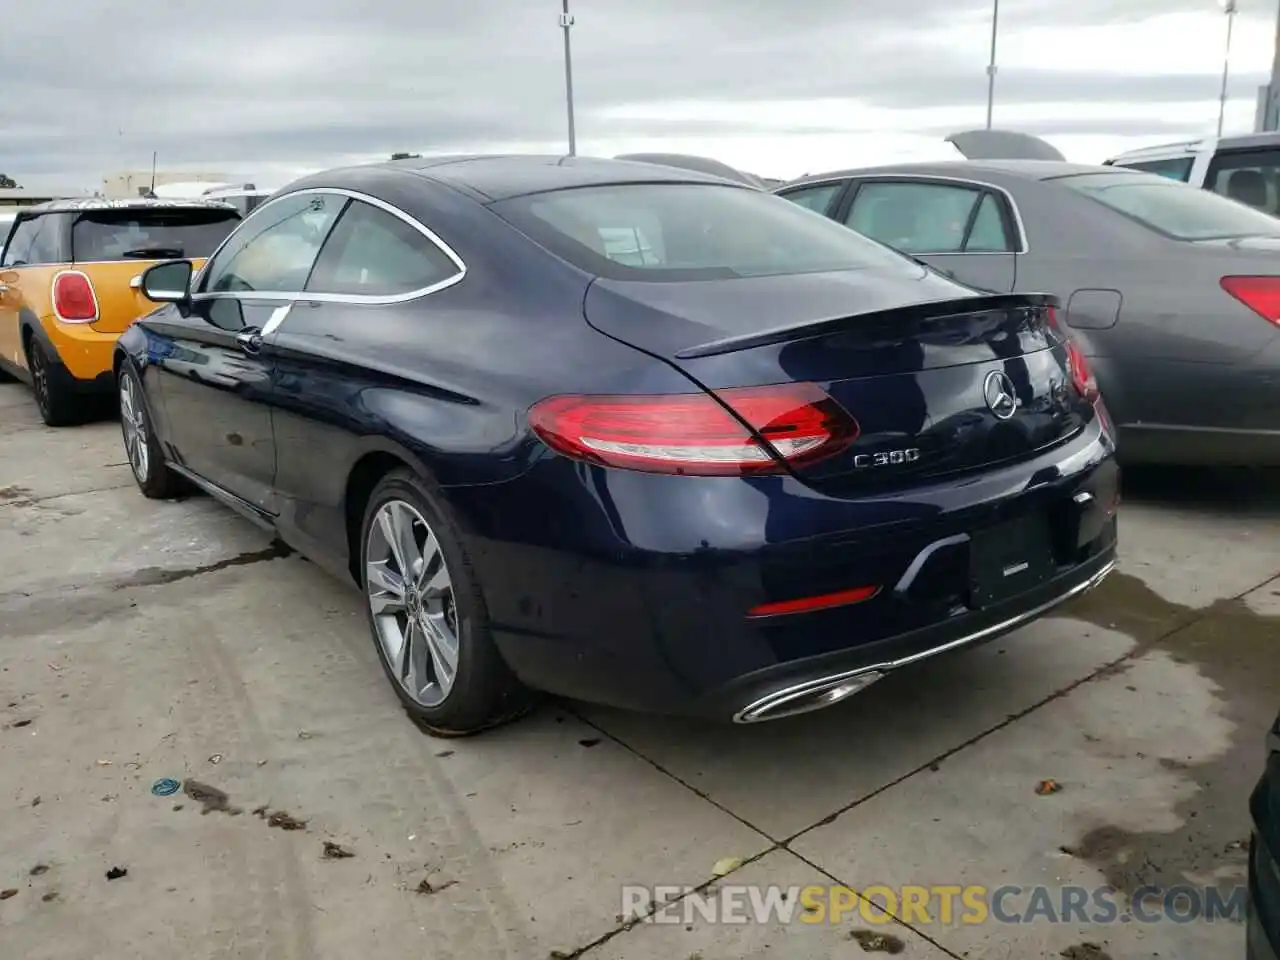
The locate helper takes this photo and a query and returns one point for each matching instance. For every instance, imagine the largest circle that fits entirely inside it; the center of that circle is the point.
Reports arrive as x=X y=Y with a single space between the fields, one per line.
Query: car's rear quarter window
x=151 y=233
x=1173 y=209
x=690 y=231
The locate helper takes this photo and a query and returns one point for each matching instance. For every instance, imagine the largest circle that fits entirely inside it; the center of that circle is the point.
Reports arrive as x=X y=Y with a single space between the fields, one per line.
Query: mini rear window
x=1174 y=209
x=690 y=231
x=150 y=234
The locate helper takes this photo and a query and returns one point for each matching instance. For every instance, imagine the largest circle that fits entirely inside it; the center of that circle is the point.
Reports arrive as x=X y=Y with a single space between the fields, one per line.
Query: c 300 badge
x=886 y=458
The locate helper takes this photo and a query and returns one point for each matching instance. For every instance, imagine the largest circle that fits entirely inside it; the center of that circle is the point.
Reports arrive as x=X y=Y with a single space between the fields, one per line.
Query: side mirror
x=168 y=282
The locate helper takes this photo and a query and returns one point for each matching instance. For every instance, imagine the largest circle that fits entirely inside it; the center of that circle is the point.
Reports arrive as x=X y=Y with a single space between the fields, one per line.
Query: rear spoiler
x=895 y=317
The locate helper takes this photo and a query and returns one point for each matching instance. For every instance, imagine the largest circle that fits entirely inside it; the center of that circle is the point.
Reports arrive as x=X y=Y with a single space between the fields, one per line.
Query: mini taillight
x=73 y=298
x=694 y=433
x=1081 y=376
x=1259 y=294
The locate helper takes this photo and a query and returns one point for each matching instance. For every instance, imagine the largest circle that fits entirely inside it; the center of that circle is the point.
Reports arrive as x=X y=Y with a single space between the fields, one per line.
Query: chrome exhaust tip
x=806 y=697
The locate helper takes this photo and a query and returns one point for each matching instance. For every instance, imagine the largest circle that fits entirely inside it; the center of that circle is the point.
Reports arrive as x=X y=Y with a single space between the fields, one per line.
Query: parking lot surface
x=142 y=640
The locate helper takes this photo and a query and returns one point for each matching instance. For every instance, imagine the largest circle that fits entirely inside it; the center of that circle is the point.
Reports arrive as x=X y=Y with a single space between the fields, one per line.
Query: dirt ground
x=142 y=642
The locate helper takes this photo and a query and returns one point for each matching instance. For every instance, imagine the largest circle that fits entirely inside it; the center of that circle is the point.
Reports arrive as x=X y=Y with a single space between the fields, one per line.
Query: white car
x=1245 y=168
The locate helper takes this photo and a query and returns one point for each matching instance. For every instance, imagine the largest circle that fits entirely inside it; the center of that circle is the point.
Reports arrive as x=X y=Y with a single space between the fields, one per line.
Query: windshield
x=691 y=231
x=150 y=233
x=1174 y=209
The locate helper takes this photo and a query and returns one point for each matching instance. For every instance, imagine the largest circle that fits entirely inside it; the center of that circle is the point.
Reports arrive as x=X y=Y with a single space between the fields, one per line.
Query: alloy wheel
x=411 y=596
x=39 y=375
x=133 y=425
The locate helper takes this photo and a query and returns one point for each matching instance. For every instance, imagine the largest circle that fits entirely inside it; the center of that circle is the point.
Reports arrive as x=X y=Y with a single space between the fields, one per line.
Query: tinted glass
x=275 y=248
x=1178 y=168
x=913 y=217
x=1249 y=176
x=19 y=246
x=374 y=253
x=690 y=231
x=988 y=234
x=1173 y=209
x=47 y=244
x=149 y=234
x=814 y=198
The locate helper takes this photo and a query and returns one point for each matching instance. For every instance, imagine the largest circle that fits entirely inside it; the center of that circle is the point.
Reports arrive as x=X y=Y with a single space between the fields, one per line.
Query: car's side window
x=18 y=252
x=1175 y=168
x=816 y=198
x=914 y=217
x=988 y=233
x=1250 y=177
x=372 y=252
x=46 y=243
x=275 y=248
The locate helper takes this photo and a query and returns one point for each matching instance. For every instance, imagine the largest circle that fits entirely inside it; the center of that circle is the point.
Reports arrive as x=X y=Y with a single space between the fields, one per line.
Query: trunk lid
x=113 y=245
x=120 y=299
x=954 y=383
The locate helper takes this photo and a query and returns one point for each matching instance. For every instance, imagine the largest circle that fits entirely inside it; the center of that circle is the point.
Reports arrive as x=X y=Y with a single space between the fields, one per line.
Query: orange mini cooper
x=69 y=286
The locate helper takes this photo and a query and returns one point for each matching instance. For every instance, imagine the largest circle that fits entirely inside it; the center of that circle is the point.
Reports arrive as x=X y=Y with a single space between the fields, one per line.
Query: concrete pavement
x=143 y=640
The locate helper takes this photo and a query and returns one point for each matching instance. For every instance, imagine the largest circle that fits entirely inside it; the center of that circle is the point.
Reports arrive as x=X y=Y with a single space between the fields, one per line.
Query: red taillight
x=1259 y=294
x=73 y=298
x=694 y=433
x=1081 y=376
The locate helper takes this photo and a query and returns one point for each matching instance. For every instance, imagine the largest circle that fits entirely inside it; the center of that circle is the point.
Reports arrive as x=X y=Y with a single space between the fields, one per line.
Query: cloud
x=270 y=89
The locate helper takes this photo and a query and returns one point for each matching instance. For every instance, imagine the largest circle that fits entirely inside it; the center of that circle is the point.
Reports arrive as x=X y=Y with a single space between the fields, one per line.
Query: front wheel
x=428 y=617
x=146 y=459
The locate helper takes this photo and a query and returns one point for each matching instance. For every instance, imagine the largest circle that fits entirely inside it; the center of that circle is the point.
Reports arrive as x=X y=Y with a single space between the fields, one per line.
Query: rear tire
x=146 y=458
x=58 y=404
x=431 y=616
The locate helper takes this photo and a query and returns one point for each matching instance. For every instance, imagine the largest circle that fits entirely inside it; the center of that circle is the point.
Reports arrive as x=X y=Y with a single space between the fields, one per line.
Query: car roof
x=1234 y=142
x=1021 y=169
x=491 y=178
x=90 y=204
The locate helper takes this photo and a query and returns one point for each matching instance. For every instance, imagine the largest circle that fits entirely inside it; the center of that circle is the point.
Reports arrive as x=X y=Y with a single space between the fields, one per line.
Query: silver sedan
x=1173 y=293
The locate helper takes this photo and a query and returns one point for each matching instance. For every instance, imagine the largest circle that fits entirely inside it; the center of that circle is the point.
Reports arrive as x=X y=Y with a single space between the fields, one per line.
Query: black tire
x=58 y=404
x=153 y=476
x=484 y=693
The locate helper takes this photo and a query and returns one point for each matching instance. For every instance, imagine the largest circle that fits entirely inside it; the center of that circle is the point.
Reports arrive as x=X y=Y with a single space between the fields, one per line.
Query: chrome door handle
x=250 y=341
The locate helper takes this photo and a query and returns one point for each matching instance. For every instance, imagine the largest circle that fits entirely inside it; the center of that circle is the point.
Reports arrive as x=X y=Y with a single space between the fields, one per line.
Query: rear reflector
x=820 y=602
x=694 y=433
x=74 y=300
x=1259 y=294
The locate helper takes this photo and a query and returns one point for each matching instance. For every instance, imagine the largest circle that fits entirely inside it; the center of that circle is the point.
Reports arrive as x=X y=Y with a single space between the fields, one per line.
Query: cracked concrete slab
x=832 y=758
x=527 y=834
x=812 y=935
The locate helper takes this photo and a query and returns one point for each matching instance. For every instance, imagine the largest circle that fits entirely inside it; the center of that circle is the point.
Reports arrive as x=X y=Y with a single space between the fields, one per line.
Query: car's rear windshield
x=150 y=234
x=1174 y=209
x=690 y=231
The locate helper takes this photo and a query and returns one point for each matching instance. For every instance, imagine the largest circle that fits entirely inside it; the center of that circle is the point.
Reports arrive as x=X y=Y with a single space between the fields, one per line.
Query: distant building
x=135 y=183
x=26 y=197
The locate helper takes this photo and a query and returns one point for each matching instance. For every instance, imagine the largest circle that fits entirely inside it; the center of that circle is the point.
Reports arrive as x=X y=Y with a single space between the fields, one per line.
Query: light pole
x=1229 y=8
x=991 y=67
x=566 y=23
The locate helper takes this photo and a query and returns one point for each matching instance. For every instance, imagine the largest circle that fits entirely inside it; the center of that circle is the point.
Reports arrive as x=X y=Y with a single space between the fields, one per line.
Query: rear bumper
x=84 y=354
x=635 y=590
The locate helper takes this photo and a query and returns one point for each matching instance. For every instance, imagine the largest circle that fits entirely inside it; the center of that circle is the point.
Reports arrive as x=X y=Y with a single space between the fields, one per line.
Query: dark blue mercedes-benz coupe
x=625 y=433
x=1264 y=857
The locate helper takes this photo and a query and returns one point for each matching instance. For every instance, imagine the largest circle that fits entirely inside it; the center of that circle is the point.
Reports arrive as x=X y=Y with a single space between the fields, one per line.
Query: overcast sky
x=271 y=88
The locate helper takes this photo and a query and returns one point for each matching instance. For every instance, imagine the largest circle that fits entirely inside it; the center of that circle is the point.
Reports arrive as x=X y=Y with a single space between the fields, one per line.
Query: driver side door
x=215 y=355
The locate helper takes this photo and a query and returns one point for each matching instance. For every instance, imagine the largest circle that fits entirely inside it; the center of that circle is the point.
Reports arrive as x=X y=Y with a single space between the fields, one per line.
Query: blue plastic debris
x=165 y=787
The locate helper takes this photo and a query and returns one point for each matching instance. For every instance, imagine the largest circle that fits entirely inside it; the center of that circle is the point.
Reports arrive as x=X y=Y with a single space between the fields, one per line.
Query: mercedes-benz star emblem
x=997 y=390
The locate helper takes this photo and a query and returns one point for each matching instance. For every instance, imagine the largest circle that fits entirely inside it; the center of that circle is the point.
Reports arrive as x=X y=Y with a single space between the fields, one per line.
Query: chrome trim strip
x=241 y=506
x=913 y=571
x=352 y=298
x=751 y=712
x=1024 y=244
